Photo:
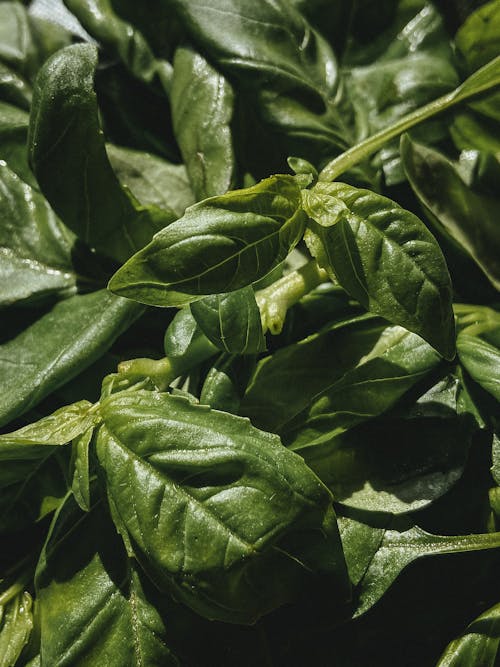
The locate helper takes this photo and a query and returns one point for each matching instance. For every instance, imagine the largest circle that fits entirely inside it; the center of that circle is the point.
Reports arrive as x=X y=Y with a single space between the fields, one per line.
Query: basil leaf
x=330 y=381
x=236 y=491
x=231 y=321
x=393 y=548
x=400 y=463
x=57 y=346
x=32 y=479
x=481 y=360
x=152 y=180
x=478 y=42
x=468 y=216
x=80 y=465
x=478 y=645
x=100 y=19
x=35 y=249
x=16 y=624
x=385 y=257
x=13 y=137
x=202 y=108
x=291 y=70
x=14 y=89
x=219 y=245
x=69 y=158
x=112 y=622
x=401 y=68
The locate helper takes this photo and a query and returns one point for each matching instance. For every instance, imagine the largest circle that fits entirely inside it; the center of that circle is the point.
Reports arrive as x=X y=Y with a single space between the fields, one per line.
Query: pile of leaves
x=250 y=342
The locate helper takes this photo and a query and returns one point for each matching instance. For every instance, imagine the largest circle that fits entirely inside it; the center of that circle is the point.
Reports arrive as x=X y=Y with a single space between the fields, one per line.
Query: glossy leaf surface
x=202 y=108
x=231 y=321
x=219 y=245
x=466 y=214
x=112 y=621
x=234 y=490
x=478 y=645
x=35 y=248
x=79 y=182
x=57 y=346
x=385 y=257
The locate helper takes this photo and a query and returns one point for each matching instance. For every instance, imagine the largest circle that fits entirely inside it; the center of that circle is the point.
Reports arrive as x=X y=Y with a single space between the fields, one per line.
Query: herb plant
x=250 y=344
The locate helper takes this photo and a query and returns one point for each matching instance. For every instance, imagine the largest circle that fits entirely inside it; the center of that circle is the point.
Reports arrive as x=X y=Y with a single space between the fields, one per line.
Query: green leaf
x=152 y=180
x=16 y=624
x=225 y=505
x=483 y=81
x=231 y=321
x=478 y=38
x=13 y=138
x=32 y=478
x=481 y=360
x=478 y=645
x=80 y=465
x=100 y=19
x=413 y=66
x=68 y=156
x=202 y=108
x=35 y=249
x=385 y=257
x=354 y=370
x=91 y=598
x=13 y=88
x=57 y=346
x=400 y=463
x=455 y=207
x=219 y=245
x=289 y=68
x=377 y=554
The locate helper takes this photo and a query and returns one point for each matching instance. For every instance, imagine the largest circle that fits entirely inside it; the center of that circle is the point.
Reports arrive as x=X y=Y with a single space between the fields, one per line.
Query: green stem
x=275 y=300
x=471 y=87
x=163 y=371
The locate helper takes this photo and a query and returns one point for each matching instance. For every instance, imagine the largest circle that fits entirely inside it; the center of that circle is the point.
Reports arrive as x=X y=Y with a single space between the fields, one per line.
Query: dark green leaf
x=334 y=379
x=219 y=245
x=401 y=463
x=202 y=109
x=57 y=346
x=478 y=645
x=224 y=502
x=100 y=19
x=385 y=257
x=152 y=180
x=231 y=321
x=69 y=158
x=481 y=360
x=290 y=69
x=413 y=66
x=392 y=549
x=35 y=248
x=13 y=88
x=468 y=216
x=13 y=137
x=93 y=607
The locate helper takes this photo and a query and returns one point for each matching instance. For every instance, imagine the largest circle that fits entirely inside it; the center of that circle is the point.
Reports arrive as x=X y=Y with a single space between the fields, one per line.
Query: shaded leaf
x=68 y=156
x=202 y=109
x=454 y=206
